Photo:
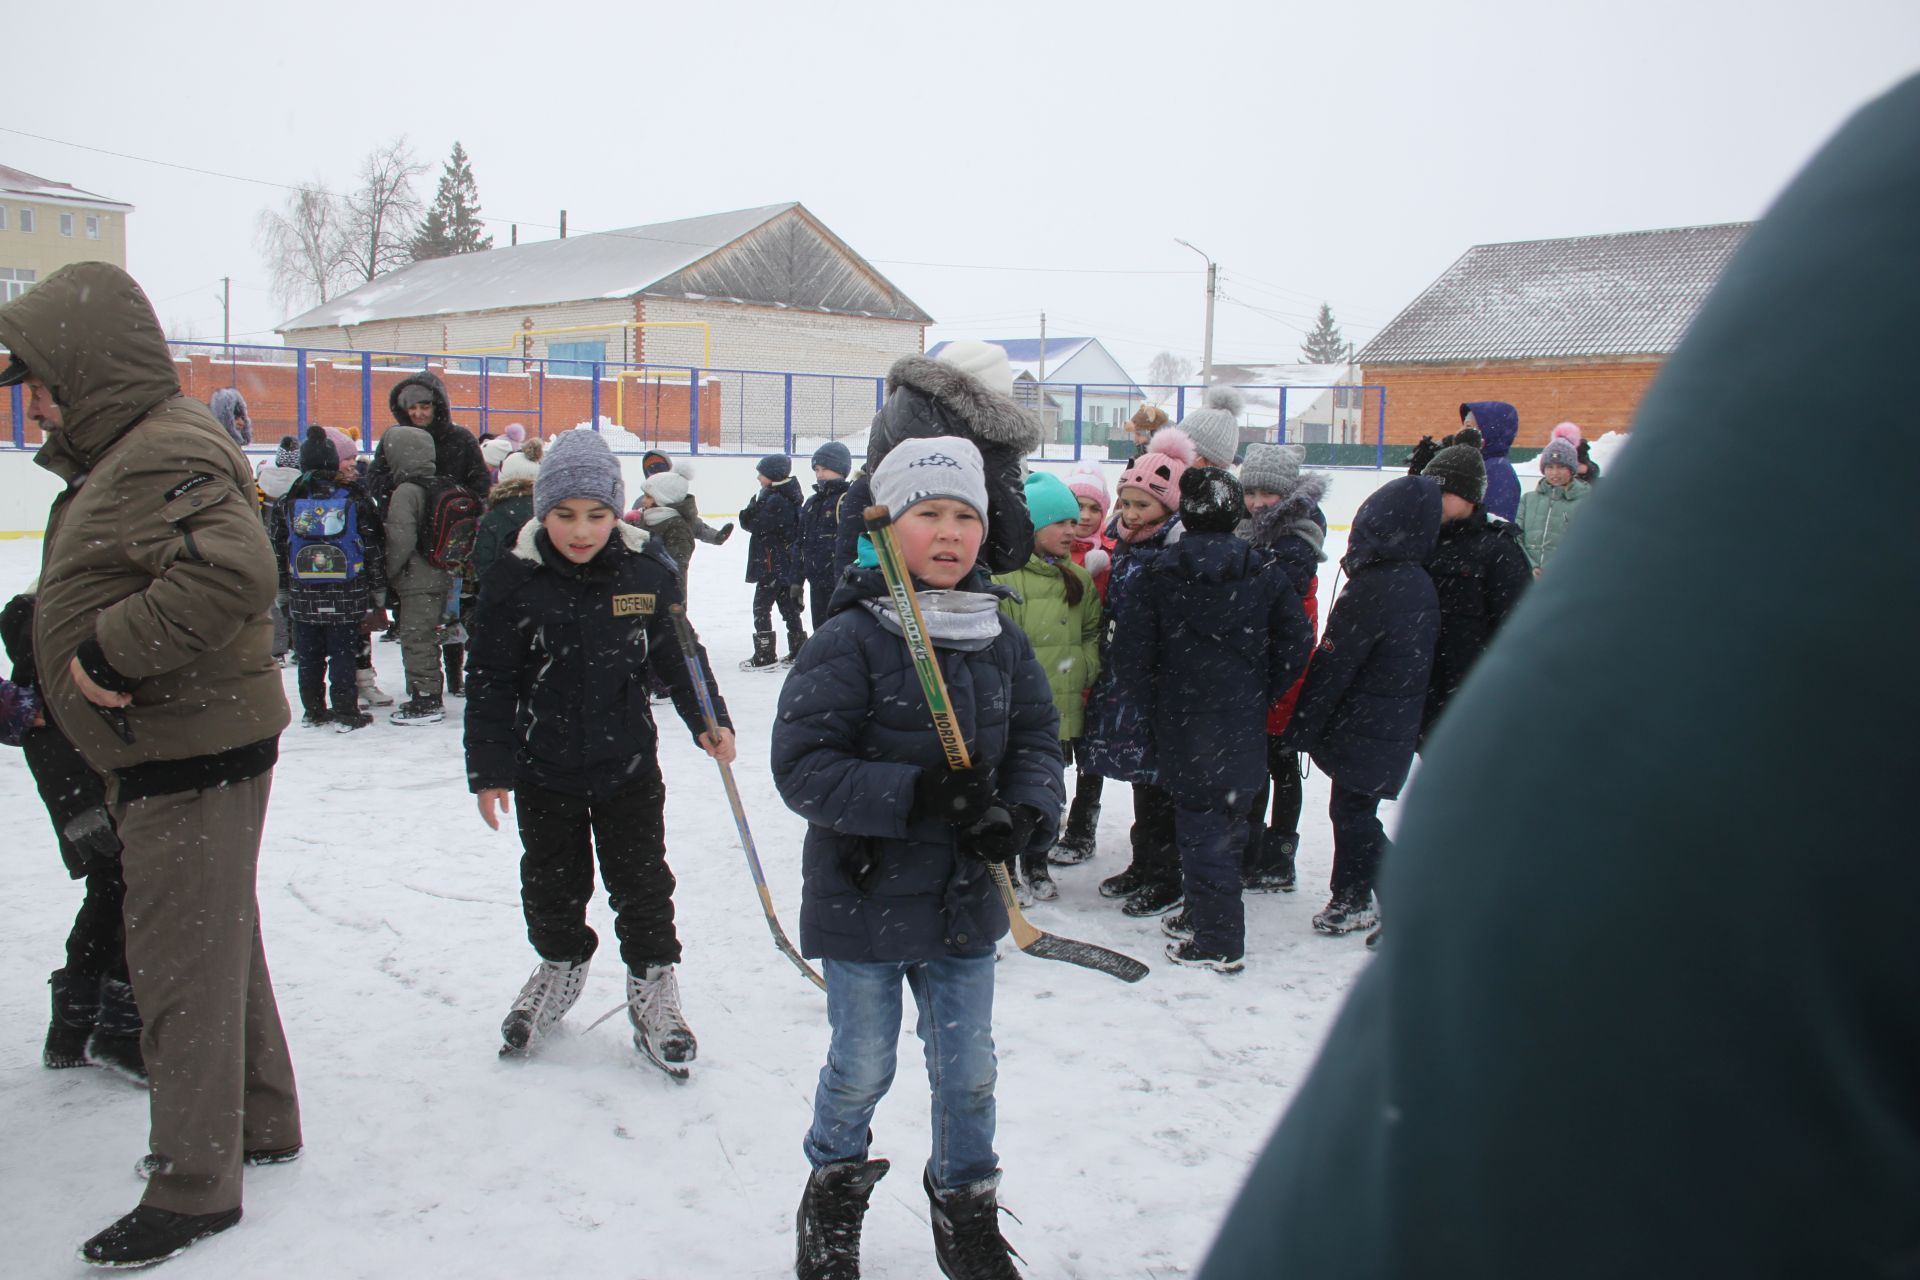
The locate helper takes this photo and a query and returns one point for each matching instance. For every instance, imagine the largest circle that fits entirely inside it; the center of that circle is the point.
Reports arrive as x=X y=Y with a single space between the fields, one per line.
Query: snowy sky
x=1344 y=149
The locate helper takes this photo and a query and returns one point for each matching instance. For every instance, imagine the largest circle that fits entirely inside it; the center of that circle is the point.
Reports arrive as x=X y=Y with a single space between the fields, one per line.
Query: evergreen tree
x=1324 y=345
x=452 y=224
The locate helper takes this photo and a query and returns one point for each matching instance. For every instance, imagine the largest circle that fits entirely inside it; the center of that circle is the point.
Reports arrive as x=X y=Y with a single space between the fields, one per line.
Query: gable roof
x=1023 y=356
x=18 y=182
x=620 y=264
x=1633 y=293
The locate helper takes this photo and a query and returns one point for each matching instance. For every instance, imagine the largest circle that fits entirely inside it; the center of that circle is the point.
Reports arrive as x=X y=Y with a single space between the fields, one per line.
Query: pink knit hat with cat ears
x=1157 y=472
x=1088 y=483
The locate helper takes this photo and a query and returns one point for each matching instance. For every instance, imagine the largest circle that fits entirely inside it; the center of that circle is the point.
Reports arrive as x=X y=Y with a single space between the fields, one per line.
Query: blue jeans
x=954 y=995
x=1212 y=833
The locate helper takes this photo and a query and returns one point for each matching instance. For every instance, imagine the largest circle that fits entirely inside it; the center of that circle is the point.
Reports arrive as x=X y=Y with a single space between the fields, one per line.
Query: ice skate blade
x=679 y=1071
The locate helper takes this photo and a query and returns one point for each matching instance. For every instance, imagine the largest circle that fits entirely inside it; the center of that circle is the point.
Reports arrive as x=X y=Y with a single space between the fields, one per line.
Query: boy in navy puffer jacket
x=896 y=883
x=1359 y=711
x=1219 y=636
x=773 y=559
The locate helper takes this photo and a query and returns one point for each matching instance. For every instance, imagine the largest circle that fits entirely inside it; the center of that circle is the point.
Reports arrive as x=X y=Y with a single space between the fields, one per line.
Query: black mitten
x=959 y=797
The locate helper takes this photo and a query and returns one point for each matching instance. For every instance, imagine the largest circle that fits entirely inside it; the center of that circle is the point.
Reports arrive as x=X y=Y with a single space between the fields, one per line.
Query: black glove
x=1002 y=835
x=959 y=797
x=92 y=831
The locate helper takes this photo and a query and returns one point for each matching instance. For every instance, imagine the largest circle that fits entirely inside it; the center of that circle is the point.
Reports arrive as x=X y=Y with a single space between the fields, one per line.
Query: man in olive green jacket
x=156 y=660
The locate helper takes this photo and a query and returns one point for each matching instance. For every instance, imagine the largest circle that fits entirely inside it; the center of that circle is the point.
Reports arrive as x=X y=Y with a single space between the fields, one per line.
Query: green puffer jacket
x=1546 y=514
x=1066 y=638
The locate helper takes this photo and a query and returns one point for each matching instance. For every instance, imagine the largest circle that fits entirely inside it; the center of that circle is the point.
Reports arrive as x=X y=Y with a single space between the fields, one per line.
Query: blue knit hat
x=775 y=467
x=1049 y=501
x=834 y=456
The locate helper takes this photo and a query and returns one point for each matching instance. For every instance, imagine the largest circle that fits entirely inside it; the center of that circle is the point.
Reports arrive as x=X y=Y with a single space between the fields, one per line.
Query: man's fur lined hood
x=983 y=416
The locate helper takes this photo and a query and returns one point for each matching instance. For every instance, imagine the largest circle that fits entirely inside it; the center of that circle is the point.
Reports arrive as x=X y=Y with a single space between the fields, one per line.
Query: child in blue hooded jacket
x=896 y=883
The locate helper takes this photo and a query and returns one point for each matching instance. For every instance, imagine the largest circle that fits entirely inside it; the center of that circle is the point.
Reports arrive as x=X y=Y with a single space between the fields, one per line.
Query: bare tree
x=1168 y=369
x=382 y=212
x=302 y=245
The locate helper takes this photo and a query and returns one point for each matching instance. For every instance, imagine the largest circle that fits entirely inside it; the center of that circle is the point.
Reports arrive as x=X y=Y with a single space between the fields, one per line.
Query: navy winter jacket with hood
x=456 y=450
x=773 y=518
x=1359 y=711
x=926 y=398
x=1218 y=635
x=820 y=529
x=1499 y=425
x=1119 y=740
x=559 y=655
x=851 y=738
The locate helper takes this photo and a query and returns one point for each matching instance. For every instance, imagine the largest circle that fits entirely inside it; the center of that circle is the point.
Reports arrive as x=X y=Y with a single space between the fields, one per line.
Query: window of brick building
x=26 y=221
x=93 y=227
x=66 y=224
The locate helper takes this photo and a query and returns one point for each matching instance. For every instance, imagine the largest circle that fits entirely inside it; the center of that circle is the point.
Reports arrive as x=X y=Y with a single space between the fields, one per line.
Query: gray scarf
x=964 y=620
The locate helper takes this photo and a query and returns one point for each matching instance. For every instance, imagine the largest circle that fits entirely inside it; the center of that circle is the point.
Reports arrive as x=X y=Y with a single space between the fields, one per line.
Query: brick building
x=46 y=225
x=769 y=288
x=1563 y=330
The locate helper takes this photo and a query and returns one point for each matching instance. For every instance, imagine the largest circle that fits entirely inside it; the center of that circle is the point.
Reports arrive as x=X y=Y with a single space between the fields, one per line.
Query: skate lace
x=660 y=1002
x=977 y=1242
x=549 y=993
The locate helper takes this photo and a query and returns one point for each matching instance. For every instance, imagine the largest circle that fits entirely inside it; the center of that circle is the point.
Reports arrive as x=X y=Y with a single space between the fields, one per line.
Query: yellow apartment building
x=44 y=225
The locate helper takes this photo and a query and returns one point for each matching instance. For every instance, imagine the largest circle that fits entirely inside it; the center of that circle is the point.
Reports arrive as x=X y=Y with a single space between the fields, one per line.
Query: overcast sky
x=994 y=160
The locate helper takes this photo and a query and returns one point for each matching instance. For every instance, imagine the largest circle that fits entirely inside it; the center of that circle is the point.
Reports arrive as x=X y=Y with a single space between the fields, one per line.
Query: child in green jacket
x=1547 y=512
x=1059 y=611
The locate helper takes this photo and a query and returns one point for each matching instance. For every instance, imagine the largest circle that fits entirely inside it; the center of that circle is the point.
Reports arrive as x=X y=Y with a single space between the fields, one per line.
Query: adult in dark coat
x=456 y=450
x=927 y=398
x=1666 y=1050
x=773 y=557
x=1359 y=711
x=820 y=525
x=1499 y=425
x=1480 y=570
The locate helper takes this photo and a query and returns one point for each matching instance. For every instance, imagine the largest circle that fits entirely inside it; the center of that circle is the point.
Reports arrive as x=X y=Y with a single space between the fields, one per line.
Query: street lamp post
x=1213 y=276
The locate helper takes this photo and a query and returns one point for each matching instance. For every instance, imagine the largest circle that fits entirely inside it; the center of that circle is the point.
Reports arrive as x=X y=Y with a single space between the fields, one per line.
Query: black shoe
x=794 y=640
x=1038 y=879
x=1347 y=917
x=115 y=1044
x=150 y=1164
x=147 y=1236
x=764 y=657
x=419 y=711
x=348 y=721
x=76 y=1007
x=1124 y=885
x=1277 y=875
x=316 y=719
x=1177 y=926
x=832 y=1210
x=1076 y=846
x=966 y=1232
x=1184 y=953
x=1153 y=900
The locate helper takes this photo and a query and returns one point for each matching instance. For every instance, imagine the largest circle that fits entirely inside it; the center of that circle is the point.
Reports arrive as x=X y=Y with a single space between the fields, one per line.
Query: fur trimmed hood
x=507 y=489
x=525 y=548
x=963 y=404
x=1292 y=517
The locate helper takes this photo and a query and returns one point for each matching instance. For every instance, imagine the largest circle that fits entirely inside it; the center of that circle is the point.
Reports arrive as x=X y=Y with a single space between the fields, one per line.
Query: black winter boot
x=116 y=1036
x=421 y=708
x=764 y=657
x=1076 y=846
x=454 y=658
x=966 y=1232
x=795 y=638
x=76 y=1006
x=1271 y=871
x=1038 y=879
x=827 y=1226
x=147 y=1236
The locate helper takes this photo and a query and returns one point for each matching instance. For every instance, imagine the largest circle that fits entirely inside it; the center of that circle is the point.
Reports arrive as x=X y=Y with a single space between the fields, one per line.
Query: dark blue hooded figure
x=1499 y=426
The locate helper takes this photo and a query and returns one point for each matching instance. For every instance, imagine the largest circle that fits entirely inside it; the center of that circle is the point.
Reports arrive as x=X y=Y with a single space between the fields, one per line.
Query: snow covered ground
x=1128 y=1114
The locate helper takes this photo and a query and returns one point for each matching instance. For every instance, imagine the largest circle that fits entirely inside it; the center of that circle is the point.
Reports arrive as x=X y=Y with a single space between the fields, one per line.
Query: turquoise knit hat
x=1049 y=501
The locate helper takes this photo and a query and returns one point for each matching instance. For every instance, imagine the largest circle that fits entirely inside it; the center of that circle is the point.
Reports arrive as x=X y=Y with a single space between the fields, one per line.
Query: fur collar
x=994 y=419
x=526 y=549
x=510 y=489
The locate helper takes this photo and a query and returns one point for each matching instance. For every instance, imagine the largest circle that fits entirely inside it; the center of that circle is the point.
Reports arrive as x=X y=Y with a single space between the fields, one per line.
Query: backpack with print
x=449 y=525
x=323 y=539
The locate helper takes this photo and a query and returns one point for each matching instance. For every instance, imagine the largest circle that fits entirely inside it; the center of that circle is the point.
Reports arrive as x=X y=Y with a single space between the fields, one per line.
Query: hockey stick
x=690 y=650
x=1032 y=940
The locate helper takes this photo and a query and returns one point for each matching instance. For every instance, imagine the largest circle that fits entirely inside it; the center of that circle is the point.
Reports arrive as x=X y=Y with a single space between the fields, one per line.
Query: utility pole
x=1213 y=289
x=563 y=224
x=226 y=309
x=1043 y=353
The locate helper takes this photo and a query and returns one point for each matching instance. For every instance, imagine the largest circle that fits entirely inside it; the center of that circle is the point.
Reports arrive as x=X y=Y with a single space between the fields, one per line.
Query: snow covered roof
x=18 y=182
x=620 y=264
x=1280 y=375
x=1024 y=353
x=1633 y=293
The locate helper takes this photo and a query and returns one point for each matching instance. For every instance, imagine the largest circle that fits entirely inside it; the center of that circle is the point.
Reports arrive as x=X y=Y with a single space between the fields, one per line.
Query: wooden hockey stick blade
x=1048 y=946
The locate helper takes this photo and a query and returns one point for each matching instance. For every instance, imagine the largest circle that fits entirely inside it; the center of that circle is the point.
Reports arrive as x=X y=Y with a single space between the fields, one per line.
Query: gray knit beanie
x=1560 y=452
x=578 y=464
x=1272 y=468
x=834 y=456
x=1215 y=428
x=932 y=467
x=1461 y=472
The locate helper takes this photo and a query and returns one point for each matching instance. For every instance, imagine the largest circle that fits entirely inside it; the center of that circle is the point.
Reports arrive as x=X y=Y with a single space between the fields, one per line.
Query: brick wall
x=1599 y=395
